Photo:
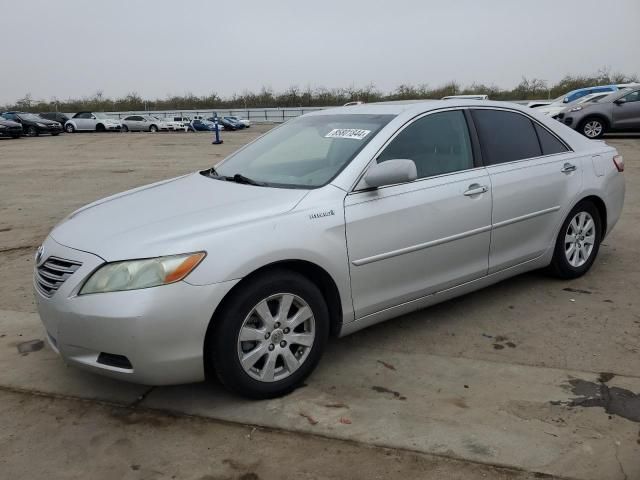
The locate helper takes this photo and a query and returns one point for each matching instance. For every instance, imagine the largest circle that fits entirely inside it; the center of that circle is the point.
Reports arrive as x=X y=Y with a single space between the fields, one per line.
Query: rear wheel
x=32 y=131
x=593 y=127
x=578 y=242
x=269 y=335
x=153 y=129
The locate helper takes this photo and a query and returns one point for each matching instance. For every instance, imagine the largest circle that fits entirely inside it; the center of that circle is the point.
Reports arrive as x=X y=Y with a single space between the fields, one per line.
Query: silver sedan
x=143 y=123
x=330 y=223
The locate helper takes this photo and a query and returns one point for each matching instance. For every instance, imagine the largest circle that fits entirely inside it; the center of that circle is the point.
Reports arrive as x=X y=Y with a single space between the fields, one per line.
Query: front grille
x=53 y=273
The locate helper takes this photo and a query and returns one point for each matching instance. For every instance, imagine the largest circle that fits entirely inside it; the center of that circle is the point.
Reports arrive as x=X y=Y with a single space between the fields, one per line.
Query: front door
x=627 y=114
x=408 y=240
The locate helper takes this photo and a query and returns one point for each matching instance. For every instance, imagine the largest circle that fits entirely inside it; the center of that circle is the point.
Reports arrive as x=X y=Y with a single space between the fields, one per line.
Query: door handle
x=568 y=167
x=475 y=189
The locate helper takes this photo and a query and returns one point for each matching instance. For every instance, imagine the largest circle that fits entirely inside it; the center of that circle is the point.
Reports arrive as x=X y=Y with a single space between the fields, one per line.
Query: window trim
x=533 y=120
x=477 y=163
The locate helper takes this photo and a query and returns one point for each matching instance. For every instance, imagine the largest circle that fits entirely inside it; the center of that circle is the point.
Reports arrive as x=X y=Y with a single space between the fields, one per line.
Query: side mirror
x=620 y=101
x=390 y=172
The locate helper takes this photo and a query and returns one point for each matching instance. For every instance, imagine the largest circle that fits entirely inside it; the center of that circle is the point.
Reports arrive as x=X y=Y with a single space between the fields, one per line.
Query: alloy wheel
x=593 y=128
x=580 y=239
x=276 y=337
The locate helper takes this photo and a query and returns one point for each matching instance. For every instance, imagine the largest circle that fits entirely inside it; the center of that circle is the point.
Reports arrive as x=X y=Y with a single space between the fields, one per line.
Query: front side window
x=505 y=136
x=633 y=96
x=305 y=152
x=83 y=115
x=438 y=143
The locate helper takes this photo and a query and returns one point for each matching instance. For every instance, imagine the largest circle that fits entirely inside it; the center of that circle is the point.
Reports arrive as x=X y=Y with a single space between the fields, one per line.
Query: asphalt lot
x=530 y=377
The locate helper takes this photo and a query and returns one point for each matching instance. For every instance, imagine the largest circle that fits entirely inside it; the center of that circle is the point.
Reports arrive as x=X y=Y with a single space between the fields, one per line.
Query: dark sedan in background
x=229 y=123
x=32 y=124
x=59 y=117
x=9 y=128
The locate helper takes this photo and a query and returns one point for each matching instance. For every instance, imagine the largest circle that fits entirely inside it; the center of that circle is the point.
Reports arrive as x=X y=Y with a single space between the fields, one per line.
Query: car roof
x=401 y=106
x=612 y=87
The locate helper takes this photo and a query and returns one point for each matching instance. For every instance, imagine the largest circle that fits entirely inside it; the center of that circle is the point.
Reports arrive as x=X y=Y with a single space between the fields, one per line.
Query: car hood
x=9 y=123
x=551 y=109
x=169 y=217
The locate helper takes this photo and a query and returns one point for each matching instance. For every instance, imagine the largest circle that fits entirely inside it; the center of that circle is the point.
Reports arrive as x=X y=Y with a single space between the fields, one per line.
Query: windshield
x=591 y=98
x=31 y=116
x=306 y=152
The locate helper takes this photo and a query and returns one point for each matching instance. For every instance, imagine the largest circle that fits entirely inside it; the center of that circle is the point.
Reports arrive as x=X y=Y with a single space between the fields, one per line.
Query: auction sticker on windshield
x=353 y=133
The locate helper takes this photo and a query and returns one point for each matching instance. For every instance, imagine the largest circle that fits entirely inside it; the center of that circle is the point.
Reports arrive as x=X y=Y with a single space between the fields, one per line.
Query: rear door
x=408 y=240
x=534 y=178
x=627 y=114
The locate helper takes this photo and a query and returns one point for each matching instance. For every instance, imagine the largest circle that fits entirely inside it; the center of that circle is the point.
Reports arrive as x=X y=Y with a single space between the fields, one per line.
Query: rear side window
x=548 y=142
x=438 y=143
x=505 y=136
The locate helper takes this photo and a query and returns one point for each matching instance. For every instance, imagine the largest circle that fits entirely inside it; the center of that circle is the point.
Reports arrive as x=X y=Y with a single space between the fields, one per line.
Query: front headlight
x=135 y=274
x=576 y=109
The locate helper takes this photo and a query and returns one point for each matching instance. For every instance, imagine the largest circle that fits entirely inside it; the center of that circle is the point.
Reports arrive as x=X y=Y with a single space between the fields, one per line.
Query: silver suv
x=616 y=112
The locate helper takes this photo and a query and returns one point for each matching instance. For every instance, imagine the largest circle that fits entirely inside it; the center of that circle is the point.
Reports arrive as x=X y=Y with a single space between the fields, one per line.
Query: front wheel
x=125 y=129
x=69 y=128
x=578 y=241
x=100 y=128
x=270 y=335
x=153 y=129
x=593 y=128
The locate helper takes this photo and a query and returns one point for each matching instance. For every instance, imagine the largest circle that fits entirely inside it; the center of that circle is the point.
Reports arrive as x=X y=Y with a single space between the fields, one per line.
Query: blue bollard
x=218 y=140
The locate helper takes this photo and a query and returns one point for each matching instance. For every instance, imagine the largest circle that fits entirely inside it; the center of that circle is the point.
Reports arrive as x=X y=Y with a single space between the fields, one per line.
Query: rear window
x=548 y=142
x=505 y=136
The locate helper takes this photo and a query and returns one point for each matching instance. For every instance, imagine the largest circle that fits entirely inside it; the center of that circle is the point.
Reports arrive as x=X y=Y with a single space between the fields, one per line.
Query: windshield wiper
x=238 y=178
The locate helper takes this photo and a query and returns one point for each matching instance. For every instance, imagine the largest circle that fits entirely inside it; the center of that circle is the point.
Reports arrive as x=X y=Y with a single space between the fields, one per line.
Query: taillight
x=618 y=161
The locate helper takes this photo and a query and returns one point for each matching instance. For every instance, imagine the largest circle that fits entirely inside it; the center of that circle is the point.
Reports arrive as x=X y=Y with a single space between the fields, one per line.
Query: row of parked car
x=593 y=111
x=16 y=124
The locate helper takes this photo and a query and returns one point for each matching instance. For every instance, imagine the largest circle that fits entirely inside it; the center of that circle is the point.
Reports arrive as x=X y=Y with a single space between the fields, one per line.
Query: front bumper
x=160 y=330
x=113 y=128
x=49 y=129
x=10 y=132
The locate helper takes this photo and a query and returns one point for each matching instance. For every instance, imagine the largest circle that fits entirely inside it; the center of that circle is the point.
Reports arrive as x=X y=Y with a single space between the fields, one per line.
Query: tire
x=100 y=128
x=291 y=362
x=55 y=134
x=69 y=128
x=153 y=129
x=32 y=131
x=125 y=129
x=572 y=259
x=593 y=127
x=16 y=136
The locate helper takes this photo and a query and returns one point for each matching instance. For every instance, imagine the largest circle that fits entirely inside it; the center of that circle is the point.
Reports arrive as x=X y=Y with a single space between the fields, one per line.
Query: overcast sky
x=73 y=48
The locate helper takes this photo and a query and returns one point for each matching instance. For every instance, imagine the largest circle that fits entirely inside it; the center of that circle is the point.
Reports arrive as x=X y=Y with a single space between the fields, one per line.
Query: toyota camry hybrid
x=332 y=222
